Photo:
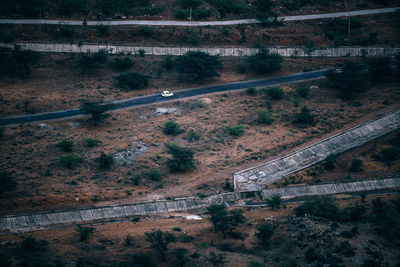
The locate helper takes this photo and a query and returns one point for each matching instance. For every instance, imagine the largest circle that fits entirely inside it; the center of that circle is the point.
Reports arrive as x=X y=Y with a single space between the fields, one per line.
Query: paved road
x=155 y=98
x=197 y=23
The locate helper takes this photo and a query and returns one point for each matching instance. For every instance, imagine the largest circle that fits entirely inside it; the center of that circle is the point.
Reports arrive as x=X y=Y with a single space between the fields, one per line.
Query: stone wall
x=257 y=178
x=330 y=189
x=221 y=51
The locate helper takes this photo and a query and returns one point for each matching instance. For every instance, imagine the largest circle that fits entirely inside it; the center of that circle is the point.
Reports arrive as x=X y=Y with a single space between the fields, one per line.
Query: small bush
x=105 y=161
x=251 y=91
x=275 y=92
x=390 y=154
x=132 y=80
x=7 y=182
x=274 y=202
x=235 y=130
x=303 y=91
x=92 y=142
x=155 y=175
x=84 y=232
x=264 y=233
x=66 y=145
x=305 y=117
x=122 y=64
x=95 y=109
x=168 y=62
x=70 y=161
x=193 y=135
x=30 y=244
x=356 y=165
x=329 y=163
x=146 y=31
x=264 y=116
x=172 y=128
x=196 y=66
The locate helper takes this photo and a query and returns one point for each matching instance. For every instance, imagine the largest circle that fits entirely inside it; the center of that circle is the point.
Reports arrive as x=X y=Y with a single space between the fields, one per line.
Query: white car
x=338 y=70
x=167 y=94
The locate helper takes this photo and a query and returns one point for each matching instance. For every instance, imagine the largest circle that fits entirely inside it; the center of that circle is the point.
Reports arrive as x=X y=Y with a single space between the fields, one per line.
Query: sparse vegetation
x=264 y=116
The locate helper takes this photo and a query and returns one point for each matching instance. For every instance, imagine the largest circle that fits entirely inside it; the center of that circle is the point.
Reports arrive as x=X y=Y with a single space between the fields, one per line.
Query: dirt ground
x=293 y=235
x=30 y=154
x=372 y=30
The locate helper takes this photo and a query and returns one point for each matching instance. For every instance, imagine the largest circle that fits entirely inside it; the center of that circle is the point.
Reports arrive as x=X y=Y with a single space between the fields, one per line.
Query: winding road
x=156 y=98
x=196 y=23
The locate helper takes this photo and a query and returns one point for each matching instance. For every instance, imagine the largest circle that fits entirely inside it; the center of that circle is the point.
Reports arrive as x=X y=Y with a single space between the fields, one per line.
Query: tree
x=264 y=62
x=264 y=9
x=303 y=91
x=122 y=64
x=274 y=202
x=379 y=68
x=197 y=66
x=17 y=63
x=350 y=82
x=84 y=232
x=264 y=233
x=219 y=218
x=96 y=110
x=155 y=175
x=330 y=161
x=172 y=128
x=105 y=161
x=7 y=182
x=182 y=160
x=180 y=255
x=305 y=117
x=66 y=145
x=132 y=80
x=159 y=241
x=356 y=165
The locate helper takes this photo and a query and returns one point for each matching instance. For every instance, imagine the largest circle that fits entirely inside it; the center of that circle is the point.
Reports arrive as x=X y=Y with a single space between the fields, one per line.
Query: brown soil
x=385 y=27
x=30 y=154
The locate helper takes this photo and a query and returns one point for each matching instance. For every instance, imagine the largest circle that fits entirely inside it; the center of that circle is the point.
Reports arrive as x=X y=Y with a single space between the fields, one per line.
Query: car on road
x=167 y=94
x=339 y=70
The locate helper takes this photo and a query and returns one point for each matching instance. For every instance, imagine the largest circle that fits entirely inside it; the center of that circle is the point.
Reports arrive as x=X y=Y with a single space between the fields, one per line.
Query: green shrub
x=251 y=91
x=92 y=142
x=182 y=14
x=182 y=161
x=264 y=116
x=155 y=175
x=264 y=62
x=350 y=82
x=303 y=91
x=264 y=233
x=356 y=165
x=193 y=135
x=146 y=31
x=132 y=80
x=122 y=64
x=329 y=163
x=172 y=128
x=96 y=110
x=202 y=13
x=305 y=117
x=70 y=161
x=84 y=232
x=105 y=161
x=235 y=130
x=320 y=207
x=274 y=202
x=7 y=182
x=30 y=244
x=390 y=154
x=66 y=145
x=197 y=66
x=168 y=62
x=89 y=62
x=275 y=92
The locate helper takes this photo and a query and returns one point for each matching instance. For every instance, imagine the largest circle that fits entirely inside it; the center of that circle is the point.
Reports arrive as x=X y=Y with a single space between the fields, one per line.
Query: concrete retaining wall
x=221 y=51
x=257 y=178
x=41 y=220
x=331 y=189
